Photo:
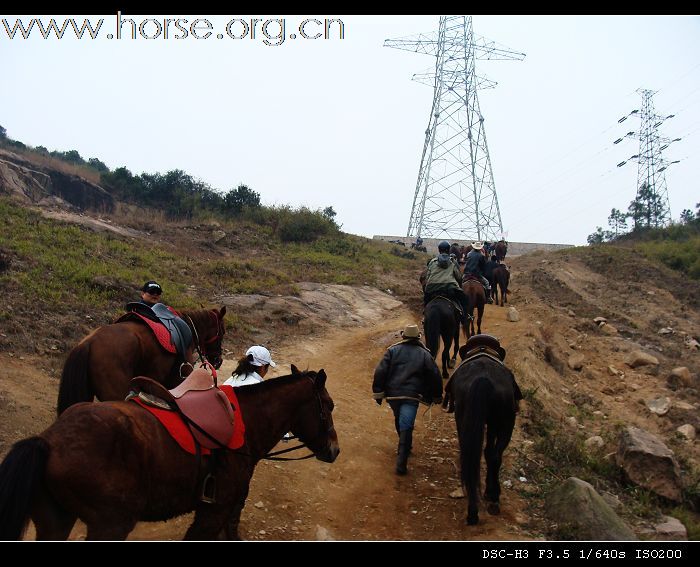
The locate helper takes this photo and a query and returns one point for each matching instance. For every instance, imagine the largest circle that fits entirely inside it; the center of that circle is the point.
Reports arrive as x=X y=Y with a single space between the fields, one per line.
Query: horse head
x=209 y=331
x=314 y=424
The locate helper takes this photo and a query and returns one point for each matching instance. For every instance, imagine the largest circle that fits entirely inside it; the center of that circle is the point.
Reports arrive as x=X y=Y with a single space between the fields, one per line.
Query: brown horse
x=485 y=397
x=104 y=362
x=112 y=464
x=474 y=290
x=501 y=277
x=501 y=250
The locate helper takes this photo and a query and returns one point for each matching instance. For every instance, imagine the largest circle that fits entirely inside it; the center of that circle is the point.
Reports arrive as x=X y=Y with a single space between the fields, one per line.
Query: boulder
x=687 y=431
x=512 y=315
x=639 y=358
x=575 y=361
x=659 y=406
x=582 y=514
x=680 y=377
x=647 y=462
x=670 y=529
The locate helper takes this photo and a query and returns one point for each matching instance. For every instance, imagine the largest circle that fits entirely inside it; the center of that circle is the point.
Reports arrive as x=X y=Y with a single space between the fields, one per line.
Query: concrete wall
x=514 y=248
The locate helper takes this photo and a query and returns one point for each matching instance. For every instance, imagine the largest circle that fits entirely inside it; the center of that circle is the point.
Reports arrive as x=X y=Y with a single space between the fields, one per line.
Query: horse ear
x=222 y=312
x=321 y=378
x=295 y=370
x=463 y=352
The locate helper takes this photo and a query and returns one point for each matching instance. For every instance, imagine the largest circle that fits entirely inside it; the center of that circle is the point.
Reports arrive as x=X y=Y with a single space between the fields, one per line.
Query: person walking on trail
x=406 y=376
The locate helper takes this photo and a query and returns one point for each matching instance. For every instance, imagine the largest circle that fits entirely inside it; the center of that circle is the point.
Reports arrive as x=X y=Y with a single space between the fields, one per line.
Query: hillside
x=63 y=273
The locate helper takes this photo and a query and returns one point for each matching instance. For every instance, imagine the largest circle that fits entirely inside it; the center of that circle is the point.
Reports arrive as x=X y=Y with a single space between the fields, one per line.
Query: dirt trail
x=359 y=497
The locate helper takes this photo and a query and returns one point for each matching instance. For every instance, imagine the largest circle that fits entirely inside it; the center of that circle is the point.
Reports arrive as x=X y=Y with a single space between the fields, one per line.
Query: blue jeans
x=404 y=414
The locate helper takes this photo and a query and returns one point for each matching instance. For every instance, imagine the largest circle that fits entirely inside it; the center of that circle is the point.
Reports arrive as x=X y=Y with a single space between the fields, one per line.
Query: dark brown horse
x=484 y=394
x=105 y=361
x=500 y=250
x=501 y=277
x=474 y=290
x=441 y=320
x=112 y=464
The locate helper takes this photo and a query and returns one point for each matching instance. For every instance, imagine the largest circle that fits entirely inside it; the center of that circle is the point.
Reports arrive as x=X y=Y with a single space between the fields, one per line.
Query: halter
x=322 y=416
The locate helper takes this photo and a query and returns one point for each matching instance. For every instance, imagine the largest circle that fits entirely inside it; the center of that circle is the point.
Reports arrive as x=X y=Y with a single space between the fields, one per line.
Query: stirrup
x=209 y=489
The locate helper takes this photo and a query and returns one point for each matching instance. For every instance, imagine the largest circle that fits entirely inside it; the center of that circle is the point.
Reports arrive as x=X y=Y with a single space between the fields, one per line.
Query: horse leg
x=114 y=530
x=209 y=521
x=495 y=446
x=456 y=342
x=50 y=520
x=481 y=314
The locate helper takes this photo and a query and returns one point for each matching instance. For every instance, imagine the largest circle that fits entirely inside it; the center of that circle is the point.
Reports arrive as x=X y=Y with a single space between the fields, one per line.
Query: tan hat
x=411 y=332
x=477 y=245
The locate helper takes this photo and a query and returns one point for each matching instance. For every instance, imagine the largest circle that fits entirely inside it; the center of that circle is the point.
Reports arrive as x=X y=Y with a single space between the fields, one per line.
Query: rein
x=273 y=456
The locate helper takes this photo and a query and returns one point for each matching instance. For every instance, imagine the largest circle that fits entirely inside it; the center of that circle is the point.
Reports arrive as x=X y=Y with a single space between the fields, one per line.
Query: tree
x=647 y=209
x=241 y=197
x=3 y=133
x=617 y=221
x=599 y=236
x=97 y=164
x=687 y=216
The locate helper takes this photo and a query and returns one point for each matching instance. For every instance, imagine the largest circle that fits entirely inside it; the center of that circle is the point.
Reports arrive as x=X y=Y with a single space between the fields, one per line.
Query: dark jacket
x=476 y=263
x=407 y=370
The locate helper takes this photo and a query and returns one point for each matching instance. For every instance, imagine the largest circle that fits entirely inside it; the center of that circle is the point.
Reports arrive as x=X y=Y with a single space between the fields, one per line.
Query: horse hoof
x=472 y=520
x=451 y=363
x=493 y=508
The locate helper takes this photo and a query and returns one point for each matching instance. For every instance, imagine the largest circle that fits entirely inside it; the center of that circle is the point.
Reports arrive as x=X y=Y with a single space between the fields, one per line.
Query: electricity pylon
x=455 y=194
x=651 y=179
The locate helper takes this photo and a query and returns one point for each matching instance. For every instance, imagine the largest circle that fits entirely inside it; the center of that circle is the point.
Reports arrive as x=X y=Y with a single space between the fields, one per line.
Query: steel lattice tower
x=455 y=194
x=651 y=165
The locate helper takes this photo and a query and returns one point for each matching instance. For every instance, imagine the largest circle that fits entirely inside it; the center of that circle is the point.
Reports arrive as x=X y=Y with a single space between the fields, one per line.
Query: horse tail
x=472 y=429
x=432 y=331
x=75 y=380
x=20 y=473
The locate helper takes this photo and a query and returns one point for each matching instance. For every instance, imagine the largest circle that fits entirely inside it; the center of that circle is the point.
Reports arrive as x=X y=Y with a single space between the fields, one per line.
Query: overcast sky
x=340 y=123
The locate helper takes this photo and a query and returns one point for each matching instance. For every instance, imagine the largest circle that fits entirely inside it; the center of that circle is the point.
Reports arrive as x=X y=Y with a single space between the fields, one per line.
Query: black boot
x=405 y=442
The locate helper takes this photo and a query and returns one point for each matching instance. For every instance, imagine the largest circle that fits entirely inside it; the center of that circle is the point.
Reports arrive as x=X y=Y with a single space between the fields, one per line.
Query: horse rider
x=444 y=278
x=252 y=368
x=406 y=375
x=150 y=293
x=476 y=266
x=489 y=267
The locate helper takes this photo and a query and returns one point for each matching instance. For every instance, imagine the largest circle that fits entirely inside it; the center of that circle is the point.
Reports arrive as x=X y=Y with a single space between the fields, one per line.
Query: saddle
x=180 y=333
x=205 y=408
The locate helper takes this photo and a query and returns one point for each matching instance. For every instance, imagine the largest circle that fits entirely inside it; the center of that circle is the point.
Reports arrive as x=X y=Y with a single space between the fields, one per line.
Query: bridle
x=323 y=417
x=200 y=344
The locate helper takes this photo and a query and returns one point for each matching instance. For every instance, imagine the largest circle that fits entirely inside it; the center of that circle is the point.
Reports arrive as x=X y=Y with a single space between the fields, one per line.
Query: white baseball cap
x=261 y=356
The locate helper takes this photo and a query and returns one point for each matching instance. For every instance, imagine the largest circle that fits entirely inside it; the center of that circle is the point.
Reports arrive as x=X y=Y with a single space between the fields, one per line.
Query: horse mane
x=201 y=318
x=288 y=379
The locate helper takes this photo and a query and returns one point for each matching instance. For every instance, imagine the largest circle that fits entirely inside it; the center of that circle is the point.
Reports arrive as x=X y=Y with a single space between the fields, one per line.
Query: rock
x=687 y=431
x=680 y=377
x=685 y=406
x=614 y=371
x=649 y=463
x=608 y=329
x=570 y=313
x=611 y=500
x=594 y=442
x=599 y=320
x=512 y=315
x=259 y=505
x=670 y=529
x=572 y=421
x=322 y=534
x=665 y=331
x=659 y=406
x=581 y=514
x=458 y=493
x=575 y=361
x=638 y=358
x=217 y=236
